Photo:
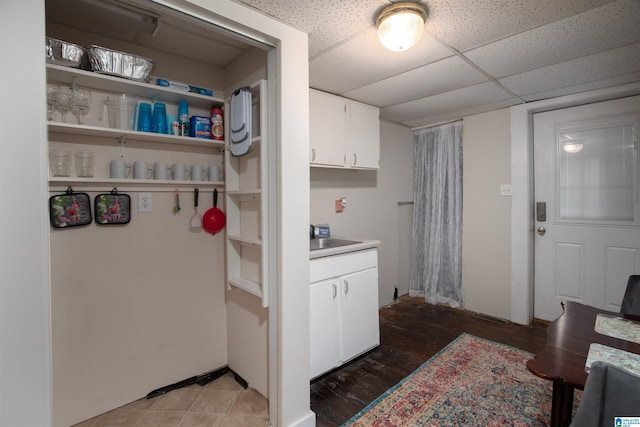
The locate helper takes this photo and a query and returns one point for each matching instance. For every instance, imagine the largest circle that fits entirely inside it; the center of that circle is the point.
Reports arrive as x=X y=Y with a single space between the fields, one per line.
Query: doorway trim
x=522 y=179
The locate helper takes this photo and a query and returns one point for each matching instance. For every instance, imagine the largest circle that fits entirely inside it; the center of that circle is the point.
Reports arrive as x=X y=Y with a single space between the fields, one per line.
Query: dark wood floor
x=411 y=331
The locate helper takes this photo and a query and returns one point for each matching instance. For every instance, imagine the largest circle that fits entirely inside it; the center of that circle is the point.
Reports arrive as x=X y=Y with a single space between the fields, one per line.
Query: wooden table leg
x=567 y=406
x=561 y=404
x=556 y=403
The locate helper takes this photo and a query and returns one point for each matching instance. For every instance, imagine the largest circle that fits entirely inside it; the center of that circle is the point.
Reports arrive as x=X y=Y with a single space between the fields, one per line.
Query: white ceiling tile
x=465 y=24
x=609 y=64
x=471 y=96
x=606 y=27
x=437 y=77
x=340 y=70
x=448 y=116
x=584 y=87
x=328 y=22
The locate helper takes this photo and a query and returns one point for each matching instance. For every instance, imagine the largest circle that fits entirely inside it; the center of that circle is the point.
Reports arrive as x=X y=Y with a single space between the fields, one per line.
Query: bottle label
x=217 y=124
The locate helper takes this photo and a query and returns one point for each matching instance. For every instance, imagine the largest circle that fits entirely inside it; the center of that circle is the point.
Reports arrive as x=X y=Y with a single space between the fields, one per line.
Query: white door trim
x=522 y=180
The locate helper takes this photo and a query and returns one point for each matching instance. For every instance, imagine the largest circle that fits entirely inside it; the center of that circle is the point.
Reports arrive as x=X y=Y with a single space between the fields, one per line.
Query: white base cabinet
x=324 y=323
x=343 y=310
x=359 y=313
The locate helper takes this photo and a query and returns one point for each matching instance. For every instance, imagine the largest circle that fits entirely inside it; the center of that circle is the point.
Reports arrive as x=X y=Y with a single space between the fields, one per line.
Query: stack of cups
x=144 y=117
x=159 y=120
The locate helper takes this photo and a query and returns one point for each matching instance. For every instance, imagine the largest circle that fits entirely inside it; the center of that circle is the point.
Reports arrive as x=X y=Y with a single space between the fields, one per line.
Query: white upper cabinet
x=365 y=136
x=343 y=133
x=328 y=128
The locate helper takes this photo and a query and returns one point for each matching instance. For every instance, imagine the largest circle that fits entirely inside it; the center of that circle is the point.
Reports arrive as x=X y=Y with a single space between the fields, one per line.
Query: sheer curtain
x=436 y=248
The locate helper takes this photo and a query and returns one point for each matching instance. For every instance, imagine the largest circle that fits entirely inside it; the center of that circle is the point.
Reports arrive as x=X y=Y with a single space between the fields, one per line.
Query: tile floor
x=221 y=403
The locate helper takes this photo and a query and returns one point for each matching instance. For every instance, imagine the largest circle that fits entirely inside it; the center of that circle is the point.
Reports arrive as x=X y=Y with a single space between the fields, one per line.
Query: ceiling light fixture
x=400 y=25
x=570 y=144
x=144 y=21
x=572 y=148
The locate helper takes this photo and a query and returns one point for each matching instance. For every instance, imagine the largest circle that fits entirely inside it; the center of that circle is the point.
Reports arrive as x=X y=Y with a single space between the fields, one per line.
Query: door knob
x=541 y=230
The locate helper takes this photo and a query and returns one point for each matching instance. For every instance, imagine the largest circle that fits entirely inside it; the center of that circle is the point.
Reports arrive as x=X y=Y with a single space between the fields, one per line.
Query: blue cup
x=159 y=120
x=144 y=117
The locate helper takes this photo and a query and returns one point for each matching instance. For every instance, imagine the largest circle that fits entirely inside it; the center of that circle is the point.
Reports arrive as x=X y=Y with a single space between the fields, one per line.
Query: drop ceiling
x=475 y=55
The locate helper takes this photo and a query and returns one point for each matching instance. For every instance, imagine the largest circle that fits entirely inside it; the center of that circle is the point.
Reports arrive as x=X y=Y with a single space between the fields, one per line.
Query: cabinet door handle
x=335 y=290
x=346 y=287
x=355 y=159
x=313 y=154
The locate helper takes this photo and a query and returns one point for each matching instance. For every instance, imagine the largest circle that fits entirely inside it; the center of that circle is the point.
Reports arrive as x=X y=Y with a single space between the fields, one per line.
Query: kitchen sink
x=329 y=242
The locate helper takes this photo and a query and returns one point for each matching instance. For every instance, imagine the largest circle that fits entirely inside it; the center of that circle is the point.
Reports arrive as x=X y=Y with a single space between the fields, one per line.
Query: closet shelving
x=87 y=135
x=249 y=181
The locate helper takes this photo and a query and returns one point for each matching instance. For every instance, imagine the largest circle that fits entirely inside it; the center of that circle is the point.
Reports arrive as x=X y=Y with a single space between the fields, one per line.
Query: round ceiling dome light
x=400 y=25
x=572 y=148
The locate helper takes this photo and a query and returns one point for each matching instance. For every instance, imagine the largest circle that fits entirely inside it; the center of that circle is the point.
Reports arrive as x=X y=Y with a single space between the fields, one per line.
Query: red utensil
x=214 y=219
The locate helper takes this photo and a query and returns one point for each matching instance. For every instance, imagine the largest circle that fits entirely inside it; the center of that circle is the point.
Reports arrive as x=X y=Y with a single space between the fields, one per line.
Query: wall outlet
x=144 y=202
x=506 y=190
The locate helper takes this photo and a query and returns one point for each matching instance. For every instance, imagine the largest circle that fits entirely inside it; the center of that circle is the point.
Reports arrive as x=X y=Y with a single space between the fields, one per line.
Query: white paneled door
x=587 y=225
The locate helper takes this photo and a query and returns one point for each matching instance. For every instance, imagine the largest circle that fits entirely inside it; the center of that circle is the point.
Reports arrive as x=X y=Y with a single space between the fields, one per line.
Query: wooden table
x=563 y=359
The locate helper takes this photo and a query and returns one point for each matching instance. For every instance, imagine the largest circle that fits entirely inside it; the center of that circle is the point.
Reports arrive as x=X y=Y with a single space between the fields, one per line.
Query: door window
x=597 y=171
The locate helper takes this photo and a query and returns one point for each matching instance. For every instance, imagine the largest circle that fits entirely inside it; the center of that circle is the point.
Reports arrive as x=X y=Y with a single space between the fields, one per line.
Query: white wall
x=372 y=210
x=486 y=232
x=134 y=308
x=25 y=346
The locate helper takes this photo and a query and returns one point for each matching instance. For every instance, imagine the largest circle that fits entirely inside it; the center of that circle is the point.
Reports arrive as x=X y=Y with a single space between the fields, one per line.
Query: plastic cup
x=144 y=117
x=159 y=120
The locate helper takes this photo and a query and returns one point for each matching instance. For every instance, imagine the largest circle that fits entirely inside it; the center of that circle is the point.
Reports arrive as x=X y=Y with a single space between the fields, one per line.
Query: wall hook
x=121 y=142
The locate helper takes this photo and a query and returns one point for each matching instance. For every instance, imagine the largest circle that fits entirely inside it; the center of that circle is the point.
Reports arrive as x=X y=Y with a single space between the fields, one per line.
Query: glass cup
x=81 y=104
x=121 y=111
x=84 y=164
x=59 y=162
x=65 y=102
x=53 y=89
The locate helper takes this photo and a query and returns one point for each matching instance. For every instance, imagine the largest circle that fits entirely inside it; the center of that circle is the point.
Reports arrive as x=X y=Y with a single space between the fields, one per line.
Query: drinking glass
x=81 y=104
x=65 y=101
x=53 y=90
x=59 y=162
x=84 y=164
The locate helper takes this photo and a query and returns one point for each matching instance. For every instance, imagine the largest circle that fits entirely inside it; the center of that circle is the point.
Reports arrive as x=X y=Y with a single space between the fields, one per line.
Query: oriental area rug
x=471 y=382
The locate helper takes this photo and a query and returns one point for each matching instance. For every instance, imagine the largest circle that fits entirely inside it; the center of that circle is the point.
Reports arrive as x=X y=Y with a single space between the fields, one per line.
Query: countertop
x=365 y=244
